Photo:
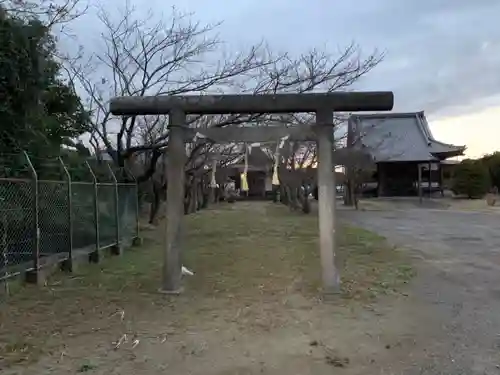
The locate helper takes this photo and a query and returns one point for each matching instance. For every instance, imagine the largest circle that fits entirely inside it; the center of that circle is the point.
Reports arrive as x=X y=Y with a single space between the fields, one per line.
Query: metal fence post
x=136 y=240
x=5 y=250
x=94 y=256
x=136 y=211
x=117 y=248
x=67 y=264
x=32 y=275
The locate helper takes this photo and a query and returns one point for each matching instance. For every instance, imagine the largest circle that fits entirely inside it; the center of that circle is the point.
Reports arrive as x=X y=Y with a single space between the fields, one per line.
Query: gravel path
x=457 y=292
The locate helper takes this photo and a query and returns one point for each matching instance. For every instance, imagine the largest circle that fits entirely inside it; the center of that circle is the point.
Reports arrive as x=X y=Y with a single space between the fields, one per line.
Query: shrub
x=492 y=163
x=470 y=178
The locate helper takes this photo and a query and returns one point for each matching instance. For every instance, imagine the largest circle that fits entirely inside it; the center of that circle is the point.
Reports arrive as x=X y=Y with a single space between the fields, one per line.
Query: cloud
x=436 y=54
x=441 y=55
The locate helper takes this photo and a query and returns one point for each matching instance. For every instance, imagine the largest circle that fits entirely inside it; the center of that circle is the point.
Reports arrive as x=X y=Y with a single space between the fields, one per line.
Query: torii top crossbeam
x=247 y=103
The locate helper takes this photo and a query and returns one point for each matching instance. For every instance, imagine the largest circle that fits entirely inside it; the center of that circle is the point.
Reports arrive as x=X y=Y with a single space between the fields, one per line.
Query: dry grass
x=459 y=204
x=480 y=205
x=374 y=205
x=249 y=259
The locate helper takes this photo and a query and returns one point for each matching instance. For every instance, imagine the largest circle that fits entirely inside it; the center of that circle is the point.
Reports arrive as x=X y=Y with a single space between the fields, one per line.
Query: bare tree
x=148 y=57
x=358 y=159
x=178 y=56
x=359 y=167
x=298 y=159
x=308 y=72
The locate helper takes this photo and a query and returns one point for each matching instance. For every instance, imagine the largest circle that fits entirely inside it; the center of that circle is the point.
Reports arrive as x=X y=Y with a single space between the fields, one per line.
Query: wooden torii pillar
x=177 y=107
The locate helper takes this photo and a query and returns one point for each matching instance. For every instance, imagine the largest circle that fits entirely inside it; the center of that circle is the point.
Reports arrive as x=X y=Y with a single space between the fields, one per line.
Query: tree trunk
x=349 y=199
x=187 y=194
x=154 y=209
x=155 y=204
x=306 y=207
x=283 y=195
x=275 y=193
x=193 y=196
x=205 y=193
x=296 y=196
x=289 y=196
x=355 y=195
x=199 y=194
x=293 y=197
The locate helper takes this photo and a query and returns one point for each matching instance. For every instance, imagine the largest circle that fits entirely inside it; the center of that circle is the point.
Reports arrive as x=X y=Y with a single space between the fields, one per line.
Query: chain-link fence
x=43 y=221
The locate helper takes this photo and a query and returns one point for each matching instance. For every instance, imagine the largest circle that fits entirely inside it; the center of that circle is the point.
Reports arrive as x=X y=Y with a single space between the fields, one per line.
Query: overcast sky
x=442 y=56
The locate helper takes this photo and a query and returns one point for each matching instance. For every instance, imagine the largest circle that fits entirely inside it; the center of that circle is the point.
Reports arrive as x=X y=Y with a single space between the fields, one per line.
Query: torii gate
x=177 y=107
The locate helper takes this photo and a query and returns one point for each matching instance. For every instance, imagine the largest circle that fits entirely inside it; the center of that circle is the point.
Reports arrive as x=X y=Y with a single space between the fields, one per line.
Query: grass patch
x=370 y=266
x=247 y=258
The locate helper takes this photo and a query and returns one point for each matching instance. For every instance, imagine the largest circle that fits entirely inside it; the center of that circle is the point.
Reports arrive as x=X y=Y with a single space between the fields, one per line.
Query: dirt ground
x=252 y=306
x=458 y=288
